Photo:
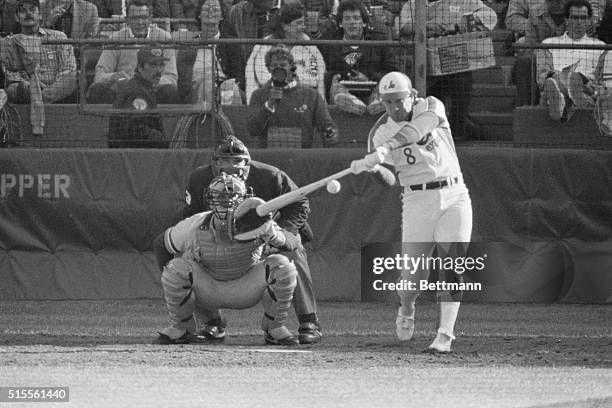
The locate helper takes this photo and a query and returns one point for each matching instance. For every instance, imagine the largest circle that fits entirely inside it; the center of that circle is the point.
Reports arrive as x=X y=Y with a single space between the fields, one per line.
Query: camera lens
x=279 y=77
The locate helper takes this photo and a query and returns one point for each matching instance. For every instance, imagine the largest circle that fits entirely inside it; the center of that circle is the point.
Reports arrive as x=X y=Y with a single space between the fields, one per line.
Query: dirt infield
x=506 y=355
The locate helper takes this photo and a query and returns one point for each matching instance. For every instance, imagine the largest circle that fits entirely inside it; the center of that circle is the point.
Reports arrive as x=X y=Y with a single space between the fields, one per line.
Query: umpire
x=134 y=127
x=266 y=182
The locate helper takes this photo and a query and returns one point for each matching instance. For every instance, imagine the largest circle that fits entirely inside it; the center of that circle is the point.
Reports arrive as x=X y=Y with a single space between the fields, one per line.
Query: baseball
x=334 y=187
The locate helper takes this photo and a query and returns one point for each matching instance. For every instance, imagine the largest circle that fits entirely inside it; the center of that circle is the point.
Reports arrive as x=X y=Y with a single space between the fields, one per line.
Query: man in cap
x=132 y=128
x=118 y=64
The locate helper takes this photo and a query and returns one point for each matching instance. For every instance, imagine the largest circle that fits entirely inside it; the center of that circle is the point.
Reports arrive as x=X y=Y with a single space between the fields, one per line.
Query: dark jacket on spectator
x=373 y=62
x=8 y=24
x=128 y=130
x=105 y=8
x=244 y=22
x=300 y=108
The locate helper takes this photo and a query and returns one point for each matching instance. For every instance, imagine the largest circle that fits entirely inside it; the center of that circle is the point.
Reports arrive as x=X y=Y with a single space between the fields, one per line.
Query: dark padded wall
x=78 y=224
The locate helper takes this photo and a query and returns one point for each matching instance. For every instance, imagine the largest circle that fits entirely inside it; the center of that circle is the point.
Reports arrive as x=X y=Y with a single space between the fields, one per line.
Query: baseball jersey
x=195 y=239
x=431 y=158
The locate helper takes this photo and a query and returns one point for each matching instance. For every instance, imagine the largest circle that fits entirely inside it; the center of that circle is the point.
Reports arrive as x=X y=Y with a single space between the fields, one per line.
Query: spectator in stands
x=105 y=8
x=138 y=94
x=210 y=65
x=533 y=22
x=188 y=9
x=604 y=32
x=603 y=96
x=286 y=109
x=30 y=64
x=247 y=19
x=169 y=9
x=519 y=11
x=566 y=76
x=310 y=66
x=501 y=8
x=116 y=65
x=355 y=63
x=447 y=17
x=8 y=21
x=75 y=18
x=318 y=17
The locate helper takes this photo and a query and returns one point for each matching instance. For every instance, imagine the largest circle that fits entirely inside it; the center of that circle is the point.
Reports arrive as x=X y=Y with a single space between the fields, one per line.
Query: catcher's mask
x=224 y=194
x=231 y=157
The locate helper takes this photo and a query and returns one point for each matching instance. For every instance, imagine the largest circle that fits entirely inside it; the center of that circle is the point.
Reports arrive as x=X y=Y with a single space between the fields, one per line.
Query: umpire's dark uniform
x=140 y=130
x=268 y=182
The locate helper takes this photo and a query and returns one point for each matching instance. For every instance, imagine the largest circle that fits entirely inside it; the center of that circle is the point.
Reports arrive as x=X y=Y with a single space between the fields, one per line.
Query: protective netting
x=74 y=83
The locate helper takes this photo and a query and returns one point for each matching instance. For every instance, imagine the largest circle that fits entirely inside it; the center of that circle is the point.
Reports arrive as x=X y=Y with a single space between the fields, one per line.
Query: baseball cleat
x=210 y=333
x=280 y=336
x=165 y=339
x=404 y=326
x=442 y=342
x=309 y=333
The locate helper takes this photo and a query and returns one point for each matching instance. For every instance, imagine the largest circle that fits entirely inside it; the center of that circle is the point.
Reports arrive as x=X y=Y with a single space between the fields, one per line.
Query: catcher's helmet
x=224 y=193
x=395 y=85
x=231 y=157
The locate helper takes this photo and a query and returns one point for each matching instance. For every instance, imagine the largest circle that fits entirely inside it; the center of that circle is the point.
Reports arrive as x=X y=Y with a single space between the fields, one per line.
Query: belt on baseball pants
x=434 y=185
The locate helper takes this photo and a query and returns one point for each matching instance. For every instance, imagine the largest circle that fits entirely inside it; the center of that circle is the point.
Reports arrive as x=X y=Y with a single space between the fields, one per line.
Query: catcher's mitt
x=245 y=217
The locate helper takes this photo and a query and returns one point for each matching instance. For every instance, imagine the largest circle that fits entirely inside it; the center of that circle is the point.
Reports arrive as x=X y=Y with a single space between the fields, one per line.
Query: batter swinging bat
x=291 y=197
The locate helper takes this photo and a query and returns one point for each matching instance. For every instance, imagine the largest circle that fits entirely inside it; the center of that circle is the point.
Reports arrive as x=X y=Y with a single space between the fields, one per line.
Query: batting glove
x=371 y=161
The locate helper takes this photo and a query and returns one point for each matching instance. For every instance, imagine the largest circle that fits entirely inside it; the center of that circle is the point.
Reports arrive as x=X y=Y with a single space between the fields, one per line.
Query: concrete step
x=493 y=98
x=497 y=126
x=499 y=74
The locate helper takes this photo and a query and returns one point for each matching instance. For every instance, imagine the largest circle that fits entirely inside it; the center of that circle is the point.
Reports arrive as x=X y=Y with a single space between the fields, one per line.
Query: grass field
x=506 y=355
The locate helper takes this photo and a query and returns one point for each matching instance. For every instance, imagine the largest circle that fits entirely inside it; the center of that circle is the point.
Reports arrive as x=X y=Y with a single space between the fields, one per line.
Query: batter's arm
x=428 y=115
x=411 y=132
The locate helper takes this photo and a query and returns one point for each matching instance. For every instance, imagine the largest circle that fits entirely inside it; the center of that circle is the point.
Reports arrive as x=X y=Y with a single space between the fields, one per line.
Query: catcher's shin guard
x=177 y=282
x=281 y=278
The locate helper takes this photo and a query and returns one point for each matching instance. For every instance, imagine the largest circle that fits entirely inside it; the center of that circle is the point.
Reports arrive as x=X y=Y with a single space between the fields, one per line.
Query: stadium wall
x=78 y=224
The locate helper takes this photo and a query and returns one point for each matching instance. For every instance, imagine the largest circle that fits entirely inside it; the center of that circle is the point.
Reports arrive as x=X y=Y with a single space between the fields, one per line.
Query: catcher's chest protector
x=226 y=260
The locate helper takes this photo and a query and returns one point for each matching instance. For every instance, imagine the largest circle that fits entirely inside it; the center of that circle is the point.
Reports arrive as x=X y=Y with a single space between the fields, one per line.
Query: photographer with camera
x=289 y=111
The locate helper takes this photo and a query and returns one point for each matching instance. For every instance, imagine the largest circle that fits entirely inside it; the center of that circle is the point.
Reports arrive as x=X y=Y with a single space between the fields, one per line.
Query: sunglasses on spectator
x=581 y=18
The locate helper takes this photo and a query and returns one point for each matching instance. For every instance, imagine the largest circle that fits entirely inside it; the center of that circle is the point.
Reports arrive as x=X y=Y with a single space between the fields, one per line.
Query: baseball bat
x=291 y=197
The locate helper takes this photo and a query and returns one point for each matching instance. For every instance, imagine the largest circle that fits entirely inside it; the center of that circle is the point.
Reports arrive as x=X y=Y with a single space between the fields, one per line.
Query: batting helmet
x=224 y=193
x=395 y=85
x=231 y=157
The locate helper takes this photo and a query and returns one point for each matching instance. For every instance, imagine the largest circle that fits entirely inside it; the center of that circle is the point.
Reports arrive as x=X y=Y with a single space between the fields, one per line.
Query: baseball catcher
x=215 y=270
x=266 y=182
